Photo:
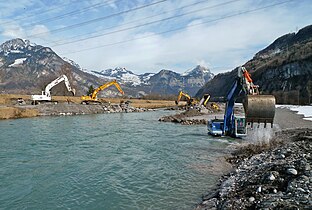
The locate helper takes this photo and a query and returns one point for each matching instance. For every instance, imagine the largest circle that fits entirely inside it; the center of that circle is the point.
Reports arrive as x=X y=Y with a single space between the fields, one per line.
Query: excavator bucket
x=260 y=109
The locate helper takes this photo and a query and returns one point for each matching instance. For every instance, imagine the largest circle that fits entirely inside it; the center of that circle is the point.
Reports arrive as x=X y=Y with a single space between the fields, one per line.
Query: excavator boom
x=46 y=94
x=189 y=99
x=93 y=96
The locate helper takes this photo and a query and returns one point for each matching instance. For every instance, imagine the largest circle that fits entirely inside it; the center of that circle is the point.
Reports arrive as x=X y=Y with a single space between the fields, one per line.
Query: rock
x=271 y=177
x=292 y=171
x=300 y=189
x=251 y=199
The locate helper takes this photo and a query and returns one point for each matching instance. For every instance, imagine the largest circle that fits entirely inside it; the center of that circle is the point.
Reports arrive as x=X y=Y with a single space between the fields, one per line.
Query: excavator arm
x=181 y=94
x=56 y=82
x=258 y=108
x=106 y=85
x=93 y=97
x=46 y=94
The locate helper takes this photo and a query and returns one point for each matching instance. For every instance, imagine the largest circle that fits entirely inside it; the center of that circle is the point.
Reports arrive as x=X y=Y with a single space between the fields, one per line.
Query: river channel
x=105 y=161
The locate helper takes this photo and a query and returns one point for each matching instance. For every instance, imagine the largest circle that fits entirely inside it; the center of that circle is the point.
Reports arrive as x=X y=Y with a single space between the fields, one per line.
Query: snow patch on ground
x=18 y=62
x=306 y=111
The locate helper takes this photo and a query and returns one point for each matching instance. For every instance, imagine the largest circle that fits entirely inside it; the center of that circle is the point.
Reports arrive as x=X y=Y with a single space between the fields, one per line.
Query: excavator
x=190 y=101
x=258 y=108
x=92 y=98
x=46 y=94
x=205 y=100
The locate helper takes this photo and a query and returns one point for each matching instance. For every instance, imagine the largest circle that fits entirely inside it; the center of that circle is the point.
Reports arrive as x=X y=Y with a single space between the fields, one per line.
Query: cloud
x=13 y=31
x=41 y=30
x=222 y=44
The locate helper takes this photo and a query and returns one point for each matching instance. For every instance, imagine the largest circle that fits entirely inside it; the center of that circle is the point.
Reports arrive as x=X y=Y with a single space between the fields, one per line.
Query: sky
x=150 y=35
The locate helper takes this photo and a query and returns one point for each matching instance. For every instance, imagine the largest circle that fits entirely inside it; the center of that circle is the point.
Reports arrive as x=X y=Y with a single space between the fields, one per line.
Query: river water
x=105 y=161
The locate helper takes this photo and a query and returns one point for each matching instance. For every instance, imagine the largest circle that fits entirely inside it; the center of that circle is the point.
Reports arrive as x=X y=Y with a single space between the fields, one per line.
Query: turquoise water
x=108 y=161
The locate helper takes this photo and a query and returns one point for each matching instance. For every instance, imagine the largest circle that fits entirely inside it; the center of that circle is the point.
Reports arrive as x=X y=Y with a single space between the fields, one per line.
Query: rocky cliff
x=283 y=69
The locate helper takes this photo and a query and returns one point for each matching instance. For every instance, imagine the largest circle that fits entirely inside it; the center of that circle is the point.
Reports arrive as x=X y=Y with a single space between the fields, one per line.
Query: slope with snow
x=306 y=111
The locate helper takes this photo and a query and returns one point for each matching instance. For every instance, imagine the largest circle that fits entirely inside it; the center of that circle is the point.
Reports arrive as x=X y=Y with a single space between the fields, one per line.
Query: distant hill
x=283 y=69
x=26 y=68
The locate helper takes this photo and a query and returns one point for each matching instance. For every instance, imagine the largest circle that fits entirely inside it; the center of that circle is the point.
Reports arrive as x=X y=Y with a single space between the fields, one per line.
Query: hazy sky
x=150 y=35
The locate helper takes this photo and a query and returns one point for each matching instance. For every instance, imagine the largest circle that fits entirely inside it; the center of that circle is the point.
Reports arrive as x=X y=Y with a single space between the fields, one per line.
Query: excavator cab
x=240 y=129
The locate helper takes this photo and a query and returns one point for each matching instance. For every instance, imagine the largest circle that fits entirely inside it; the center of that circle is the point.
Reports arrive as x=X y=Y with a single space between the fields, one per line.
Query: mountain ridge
x=26 y=67
x=283 y=69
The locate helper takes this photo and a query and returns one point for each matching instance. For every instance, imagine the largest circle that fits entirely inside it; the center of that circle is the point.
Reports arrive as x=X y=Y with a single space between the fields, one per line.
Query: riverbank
x=19 y=106
x=269 y=174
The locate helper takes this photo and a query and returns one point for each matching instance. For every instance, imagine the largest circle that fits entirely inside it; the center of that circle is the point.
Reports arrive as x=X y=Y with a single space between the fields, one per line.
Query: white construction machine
x=46 y=94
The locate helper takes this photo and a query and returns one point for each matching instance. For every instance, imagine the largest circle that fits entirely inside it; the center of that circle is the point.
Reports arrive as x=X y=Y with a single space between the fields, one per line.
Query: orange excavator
x=92 y=98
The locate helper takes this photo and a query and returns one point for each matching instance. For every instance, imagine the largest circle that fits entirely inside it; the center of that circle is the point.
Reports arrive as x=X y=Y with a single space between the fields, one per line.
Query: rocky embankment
x=63 y=109
x=185 y=118
x=279 y=177
x=80 y=109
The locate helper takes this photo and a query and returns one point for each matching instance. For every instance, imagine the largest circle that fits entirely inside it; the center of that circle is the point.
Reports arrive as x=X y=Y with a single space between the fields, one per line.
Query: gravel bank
x=61 y=109
x=274 y=174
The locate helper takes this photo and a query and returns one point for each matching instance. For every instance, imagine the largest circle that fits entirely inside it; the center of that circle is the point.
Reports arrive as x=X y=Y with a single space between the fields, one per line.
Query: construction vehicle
x=92 y=98
x=258 y=108
x=46 y=94
x=190 y=101
x=204 y=102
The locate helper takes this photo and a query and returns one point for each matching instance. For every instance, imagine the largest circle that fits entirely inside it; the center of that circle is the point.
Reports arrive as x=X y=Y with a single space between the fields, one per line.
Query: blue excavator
x=257 y=108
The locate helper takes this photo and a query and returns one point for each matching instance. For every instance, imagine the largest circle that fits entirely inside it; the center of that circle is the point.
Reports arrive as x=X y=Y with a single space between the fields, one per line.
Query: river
x=105 y=161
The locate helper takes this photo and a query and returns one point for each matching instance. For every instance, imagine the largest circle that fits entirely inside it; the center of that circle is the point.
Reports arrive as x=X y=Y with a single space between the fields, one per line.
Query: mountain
x=165 y=82
x=26 y=68
x=125 y=76
x=283 y=69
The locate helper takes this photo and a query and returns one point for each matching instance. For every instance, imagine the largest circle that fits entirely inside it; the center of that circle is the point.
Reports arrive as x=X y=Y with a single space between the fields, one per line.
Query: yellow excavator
x=204 y=102
x=92 y=98
x=190 y=101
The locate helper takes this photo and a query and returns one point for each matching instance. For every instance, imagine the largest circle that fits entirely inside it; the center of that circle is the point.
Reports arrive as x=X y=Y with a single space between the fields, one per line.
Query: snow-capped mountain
x=28 y=68
x=124 y=76
x=164 y=82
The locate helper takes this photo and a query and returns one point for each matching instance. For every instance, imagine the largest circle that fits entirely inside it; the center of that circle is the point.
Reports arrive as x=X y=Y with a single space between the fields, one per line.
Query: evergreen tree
x=90 y=91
